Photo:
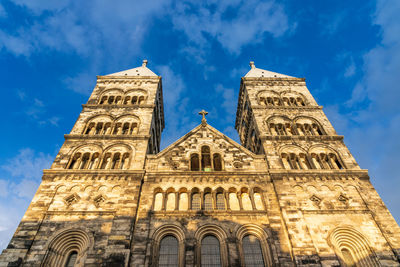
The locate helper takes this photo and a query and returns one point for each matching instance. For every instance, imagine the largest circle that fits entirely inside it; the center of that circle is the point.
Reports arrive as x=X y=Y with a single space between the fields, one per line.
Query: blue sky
x=51 y=52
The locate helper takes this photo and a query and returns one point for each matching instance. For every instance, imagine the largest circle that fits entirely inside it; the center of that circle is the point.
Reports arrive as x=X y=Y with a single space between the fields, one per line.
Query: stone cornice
x=54 y=174
x=80 y=212
x=301 y=137
x=302 y=108
x=122 y=106
x=127 y=78
x=340 y=211
x=106 y=137
x=272 y=79
x=320 y=174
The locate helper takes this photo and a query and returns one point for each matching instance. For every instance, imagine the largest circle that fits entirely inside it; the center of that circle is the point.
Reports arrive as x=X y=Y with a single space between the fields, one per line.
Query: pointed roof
x=256 y=73
x=139 y=71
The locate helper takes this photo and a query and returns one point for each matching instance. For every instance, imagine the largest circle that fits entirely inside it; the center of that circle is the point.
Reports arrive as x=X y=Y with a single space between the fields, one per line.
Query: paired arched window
x=168 y=252
x=90 y=161
x=252 y=252
x=300 y=126
x=105 y=125
x=303 y=161
x=205 y=161
x=117 y=97
x=210 y=252
x=289 y=99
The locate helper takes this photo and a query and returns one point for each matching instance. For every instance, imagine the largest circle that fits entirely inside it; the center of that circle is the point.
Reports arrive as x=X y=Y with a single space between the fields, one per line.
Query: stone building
x=290 y=195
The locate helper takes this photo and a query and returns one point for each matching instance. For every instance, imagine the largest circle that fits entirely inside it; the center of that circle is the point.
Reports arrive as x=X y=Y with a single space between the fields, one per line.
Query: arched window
x=220 y=201
x=115 y=161
x=158 y=201
x=71 y=259
x=253 y=256
x=258 y=201
x=94 y=161
x=217 y=162
x=194 y=162
x=196 y=201
x=67 y=249
x=124 y=161
x=170 y=201
x=210 y=252
x=233 y=201
x=75 y=160
x=246 y=202
x=183 y=201
x=168 y=253
x=285 y=161
x=141 y=99
x=85 y=159
x=205 y=159
x=208 y=203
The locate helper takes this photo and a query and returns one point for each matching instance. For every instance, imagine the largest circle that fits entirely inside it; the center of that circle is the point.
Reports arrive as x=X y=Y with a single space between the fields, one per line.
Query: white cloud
x=350 y=70
x=3 y=188
x=248 y=25
x=27 y=164
x=26 y=172
x=229 y=100
x=175 y=105
x=81 y=83
x=372 y=133
x=332 y=22
x=90 y=29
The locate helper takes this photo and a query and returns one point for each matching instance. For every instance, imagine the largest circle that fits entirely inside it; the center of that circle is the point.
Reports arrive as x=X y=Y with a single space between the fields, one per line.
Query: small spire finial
x=252 y=65
x=203 y=119
x=144 y=64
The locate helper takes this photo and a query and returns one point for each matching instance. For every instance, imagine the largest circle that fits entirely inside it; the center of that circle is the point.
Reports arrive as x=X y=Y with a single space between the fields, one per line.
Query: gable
x=177 y=157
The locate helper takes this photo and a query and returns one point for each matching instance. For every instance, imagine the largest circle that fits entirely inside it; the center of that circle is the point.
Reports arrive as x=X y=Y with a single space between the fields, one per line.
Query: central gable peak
x=205 y=149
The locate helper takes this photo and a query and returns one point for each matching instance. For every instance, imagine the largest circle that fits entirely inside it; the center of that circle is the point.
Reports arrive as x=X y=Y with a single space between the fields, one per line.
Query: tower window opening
x=84 y=160
x=115 y=161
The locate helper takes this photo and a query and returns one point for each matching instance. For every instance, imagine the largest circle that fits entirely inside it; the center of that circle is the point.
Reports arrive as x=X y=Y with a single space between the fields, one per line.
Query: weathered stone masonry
x=291 y=195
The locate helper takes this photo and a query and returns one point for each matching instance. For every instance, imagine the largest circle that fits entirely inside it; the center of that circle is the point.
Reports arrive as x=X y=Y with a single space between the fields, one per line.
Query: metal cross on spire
x=203 y=119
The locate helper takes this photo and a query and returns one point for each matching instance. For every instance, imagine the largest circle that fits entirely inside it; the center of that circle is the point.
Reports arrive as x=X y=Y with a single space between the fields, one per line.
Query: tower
x=90 y=194
x=328 y=206
x=290 y=195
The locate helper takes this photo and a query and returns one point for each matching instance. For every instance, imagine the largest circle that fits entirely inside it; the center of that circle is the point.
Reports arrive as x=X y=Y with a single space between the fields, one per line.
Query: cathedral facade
x=291 y=194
